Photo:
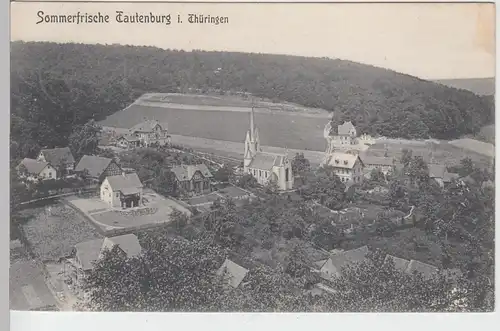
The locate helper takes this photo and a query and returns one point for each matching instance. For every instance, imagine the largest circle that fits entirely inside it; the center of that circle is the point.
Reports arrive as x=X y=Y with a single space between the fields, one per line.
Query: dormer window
x=345 y=162
x=337 y=161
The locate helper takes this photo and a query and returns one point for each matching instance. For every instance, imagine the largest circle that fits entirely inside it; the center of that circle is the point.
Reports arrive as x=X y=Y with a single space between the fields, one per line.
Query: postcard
x=252 y=157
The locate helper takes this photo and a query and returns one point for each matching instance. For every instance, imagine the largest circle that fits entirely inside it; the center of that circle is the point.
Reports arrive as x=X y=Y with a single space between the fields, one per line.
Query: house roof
x=377 y=160
x=146 y=126
x=266 y=161
x=342 y=160
x=33 y=166
x=425 y=269
x=343 y=129
x=27 y=287
x=449 y=176
x=234 y=273
x=125 y=182
x=95 y=165
x=129 y=137
x=338 y=261
x=399 y=263
x=436 y=170
x=129 y=243
x=186 y=172
x=89 y=252
x=56 y=156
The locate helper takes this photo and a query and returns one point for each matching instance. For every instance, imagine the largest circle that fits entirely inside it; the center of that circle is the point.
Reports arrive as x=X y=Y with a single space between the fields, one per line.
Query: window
x=117 y=194
x=50 y=174
x=110 y=195
x=260 y=173
x=266 y=173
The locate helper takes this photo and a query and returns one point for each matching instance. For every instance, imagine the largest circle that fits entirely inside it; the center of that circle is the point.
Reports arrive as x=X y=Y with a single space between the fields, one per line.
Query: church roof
x=266 y=161
x=343 y=129
x=342 y=160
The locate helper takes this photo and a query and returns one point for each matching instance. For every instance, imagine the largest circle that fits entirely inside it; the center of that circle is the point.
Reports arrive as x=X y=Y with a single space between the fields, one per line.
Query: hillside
x=479 y=86
x=55 y=87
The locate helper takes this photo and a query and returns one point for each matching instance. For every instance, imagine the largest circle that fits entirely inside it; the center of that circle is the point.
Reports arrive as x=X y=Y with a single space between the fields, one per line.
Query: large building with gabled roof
x=266 y=167
x=347 y=166
x=122 y=191
x=34 y=170
x=150 y=132
x=59 y=158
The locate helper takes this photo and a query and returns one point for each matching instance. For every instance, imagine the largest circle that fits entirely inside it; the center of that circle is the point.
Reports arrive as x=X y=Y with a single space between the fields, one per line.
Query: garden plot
x=53 y=231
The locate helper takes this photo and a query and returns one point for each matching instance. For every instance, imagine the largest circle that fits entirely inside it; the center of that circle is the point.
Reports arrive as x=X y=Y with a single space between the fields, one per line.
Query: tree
x=247 y=181
x=224 y=173
x=84 y=140
x=172 y=274
x=376 y=175
x=272 y=185
x=300 y=165
x=376 y=285
x=406 y=157
x=179 y=219
x=325 y=187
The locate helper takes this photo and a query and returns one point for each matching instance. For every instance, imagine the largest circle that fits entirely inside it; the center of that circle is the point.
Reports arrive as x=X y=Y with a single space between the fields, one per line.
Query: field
x=276 y=128
x=109 y=220
x=475 y=146
x=54 y=230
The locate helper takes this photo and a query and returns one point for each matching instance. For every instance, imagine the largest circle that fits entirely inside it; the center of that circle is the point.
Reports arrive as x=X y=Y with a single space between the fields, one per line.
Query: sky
x=430 y=41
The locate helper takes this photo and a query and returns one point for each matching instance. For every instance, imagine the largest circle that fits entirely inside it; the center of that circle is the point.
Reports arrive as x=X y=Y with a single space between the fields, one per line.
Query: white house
x=58 y=157
x=122 y=190
x=349 y=167
x=33 y=170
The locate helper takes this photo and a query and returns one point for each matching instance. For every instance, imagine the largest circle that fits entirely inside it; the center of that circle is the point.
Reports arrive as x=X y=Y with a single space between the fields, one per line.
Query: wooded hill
x=55 y=87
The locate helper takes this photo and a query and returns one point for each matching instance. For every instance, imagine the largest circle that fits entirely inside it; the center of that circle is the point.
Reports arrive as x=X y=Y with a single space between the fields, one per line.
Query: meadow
x=275 y=128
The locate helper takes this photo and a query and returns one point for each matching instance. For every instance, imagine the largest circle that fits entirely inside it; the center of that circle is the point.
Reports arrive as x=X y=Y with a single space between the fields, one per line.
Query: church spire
x=252 y=127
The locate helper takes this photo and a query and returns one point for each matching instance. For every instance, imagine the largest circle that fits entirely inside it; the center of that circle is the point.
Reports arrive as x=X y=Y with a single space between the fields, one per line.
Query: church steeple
x=252 y=142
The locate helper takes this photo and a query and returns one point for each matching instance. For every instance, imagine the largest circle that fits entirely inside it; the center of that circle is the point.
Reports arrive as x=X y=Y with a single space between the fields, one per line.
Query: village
x=84 y=206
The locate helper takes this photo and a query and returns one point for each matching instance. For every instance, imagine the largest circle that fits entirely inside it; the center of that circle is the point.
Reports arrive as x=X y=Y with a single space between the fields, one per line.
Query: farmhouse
x=384 y=164
x=150 y=132
x=33 y=170
x=89 y=252
x=128 y=141
x=332 y=267
x=60 y=158
x=122 y=191
x=27 y=288
x=97 y=167
x=349 y=167
x=192 y=178
x=410 y=267
x=265 y=167
x=232 y=273
x=440 y=174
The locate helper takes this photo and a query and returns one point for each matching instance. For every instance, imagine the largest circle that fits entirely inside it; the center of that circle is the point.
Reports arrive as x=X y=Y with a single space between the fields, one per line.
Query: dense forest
x=55 y=87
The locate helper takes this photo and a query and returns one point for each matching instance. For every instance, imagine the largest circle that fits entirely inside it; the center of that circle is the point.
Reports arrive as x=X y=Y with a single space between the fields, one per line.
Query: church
x=266 y=166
